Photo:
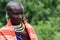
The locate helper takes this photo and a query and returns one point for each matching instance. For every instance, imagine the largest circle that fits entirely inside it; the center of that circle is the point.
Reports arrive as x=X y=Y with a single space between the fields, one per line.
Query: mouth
x=19 y=20
x=16 y=20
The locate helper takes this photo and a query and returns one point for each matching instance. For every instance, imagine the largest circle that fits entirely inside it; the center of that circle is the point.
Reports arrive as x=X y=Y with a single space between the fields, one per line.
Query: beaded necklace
x=19 y=28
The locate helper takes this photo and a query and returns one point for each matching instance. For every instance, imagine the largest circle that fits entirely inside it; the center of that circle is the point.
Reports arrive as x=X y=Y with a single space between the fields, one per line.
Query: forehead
x=15 y=7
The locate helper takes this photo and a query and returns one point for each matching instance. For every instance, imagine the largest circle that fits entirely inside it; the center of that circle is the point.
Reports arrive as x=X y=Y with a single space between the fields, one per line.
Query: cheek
x=20 y=16
x=12 y=17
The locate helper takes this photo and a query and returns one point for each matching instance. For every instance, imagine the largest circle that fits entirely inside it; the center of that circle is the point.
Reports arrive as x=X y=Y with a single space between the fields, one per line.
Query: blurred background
x=43 y=15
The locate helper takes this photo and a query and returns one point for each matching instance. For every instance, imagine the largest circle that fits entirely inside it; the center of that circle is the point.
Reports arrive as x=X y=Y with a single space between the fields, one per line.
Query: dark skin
x=15 y=13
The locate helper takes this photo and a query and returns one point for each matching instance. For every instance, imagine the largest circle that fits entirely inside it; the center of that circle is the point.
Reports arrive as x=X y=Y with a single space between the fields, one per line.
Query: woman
x=17 y=27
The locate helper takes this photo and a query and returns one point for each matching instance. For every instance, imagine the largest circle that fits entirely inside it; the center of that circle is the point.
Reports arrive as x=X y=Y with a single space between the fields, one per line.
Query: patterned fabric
x=8 y=33
x=18 y=37
x=30 y=31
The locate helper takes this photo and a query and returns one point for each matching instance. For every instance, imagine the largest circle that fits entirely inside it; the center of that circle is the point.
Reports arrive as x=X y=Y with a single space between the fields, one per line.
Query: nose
x=19 y=17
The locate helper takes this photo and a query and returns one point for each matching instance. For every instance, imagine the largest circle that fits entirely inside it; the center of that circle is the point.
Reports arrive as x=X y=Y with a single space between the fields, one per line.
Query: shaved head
x=12 y=5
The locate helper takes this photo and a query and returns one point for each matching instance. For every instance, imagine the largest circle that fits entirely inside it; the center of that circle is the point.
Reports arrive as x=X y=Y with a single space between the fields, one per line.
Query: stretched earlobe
x=7 y=17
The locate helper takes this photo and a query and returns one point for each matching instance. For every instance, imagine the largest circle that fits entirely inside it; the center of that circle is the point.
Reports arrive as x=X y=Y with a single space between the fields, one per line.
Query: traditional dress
x=8 y=32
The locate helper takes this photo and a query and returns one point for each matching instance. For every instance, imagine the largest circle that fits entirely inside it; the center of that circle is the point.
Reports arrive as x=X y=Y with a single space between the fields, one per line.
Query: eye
x=16 y=14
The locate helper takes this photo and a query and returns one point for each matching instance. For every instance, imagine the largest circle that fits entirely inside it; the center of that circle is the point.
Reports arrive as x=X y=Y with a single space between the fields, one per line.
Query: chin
x=16 y=22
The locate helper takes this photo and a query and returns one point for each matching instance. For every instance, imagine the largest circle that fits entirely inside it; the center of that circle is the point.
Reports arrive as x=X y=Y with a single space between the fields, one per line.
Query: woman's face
x=16 y=15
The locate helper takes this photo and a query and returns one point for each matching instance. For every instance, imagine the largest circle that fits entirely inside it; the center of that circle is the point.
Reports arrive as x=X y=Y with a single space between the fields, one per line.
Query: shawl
x=7 y=32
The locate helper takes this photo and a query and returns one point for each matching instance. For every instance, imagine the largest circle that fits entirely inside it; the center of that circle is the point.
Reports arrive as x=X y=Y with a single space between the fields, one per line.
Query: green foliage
x=45 y=31
x=57 y=37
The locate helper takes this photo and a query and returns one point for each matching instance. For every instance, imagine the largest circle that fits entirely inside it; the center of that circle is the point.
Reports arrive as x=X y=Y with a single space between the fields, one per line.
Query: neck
x=16 y=24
